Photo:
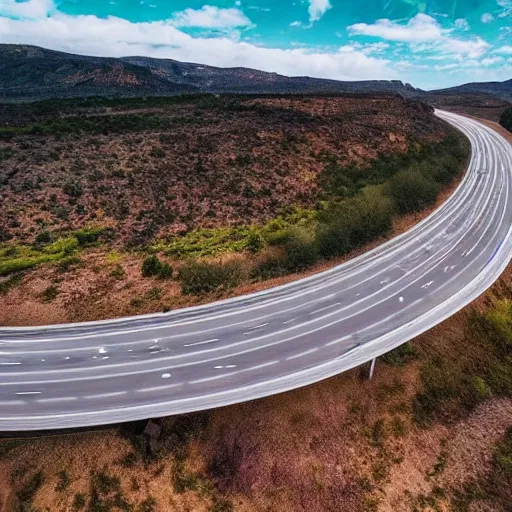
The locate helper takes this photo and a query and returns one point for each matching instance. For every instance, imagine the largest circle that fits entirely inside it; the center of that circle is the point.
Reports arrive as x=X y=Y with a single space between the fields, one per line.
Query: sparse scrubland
x=481 y=105
x=431 y=431
x=165 y=202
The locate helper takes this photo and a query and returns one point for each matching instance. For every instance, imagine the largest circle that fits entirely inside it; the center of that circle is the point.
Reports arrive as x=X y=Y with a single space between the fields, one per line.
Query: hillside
x=206 y=162
x=29 y=72
x=502 y=90
x=34 y=73
x=244 y=80
x=245 y=189
x=485 y=106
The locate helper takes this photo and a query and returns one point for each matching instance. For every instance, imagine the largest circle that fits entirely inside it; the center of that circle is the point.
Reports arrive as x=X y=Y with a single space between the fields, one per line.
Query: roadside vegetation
x=357 y=445
x=183 y=189
x=506 y=119
x=351 y=215
x=340 y=225
x=478 y=366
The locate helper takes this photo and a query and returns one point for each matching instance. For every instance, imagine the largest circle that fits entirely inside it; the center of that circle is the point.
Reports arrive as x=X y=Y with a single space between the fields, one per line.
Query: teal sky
x=430 y=44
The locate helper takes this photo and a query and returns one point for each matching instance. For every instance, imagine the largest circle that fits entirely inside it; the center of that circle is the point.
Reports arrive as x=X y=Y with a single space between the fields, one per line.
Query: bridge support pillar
x=372 y=369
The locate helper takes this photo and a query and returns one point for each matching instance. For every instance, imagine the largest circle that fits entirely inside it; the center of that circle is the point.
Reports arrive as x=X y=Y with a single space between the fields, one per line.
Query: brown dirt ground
x=313 y=449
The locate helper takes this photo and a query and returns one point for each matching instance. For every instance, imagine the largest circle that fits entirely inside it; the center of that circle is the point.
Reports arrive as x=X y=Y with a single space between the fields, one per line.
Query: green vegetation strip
x=17 y=258
x=352 y=216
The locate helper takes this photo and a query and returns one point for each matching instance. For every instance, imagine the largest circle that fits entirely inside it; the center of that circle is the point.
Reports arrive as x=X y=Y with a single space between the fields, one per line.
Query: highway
x=256 y=345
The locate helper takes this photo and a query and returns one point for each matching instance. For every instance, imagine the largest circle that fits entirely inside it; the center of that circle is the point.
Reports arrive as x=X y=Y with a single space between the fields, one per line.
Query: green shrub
x=183 y=480
x=500 y=318
x=66 y=264
x=151 y=266
x=65 y=246
x=20 y=264
x=27 y=493
x=272 y=264
x=254 y=242
x=88 y=236
x=354 y=222
x=333 y=239
x=129 y=460
x=201 y=277
x=148 y=505
x=105 y=483
x=63 y=481
x=301 y=249
x=506 y=119
x=165 y=271
x=9 y=283
x=400 y=356
x=157 y=152
x=277 y=237
x=73 y=189
x=411 y=191
x=118 y=272
x=503 y=456
x=501 y=476
x=78 y=502
x=50 y=293
x=44 y=237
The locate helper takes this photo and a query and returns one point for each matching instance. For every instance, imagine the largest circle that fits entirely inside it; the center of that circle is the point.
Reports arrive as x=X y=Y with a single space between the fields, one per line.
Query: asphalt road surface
x=256 y=345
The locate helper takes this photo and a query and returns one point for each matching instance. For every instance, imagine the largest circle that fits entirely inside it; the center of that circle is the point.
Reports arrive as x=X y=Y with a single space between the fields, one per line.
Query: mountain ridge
x=30 y=72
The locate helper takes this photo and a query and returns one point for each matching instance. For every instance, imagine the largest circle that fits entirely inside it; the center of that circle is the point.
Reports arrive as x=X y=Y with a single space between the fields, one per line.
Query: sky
x=430 y=44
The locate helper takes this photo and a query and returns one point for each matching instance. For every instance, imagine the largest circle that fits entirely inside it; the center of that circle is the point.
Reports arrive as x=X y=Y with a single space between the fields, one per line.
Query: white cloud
x=466 y=48
x=505 y=50
x=424 y=34
x=462 y=24
x=420 y=28
x=489 y=61
x=506 y=8
x=486 y=17
x=367 y=48
x=210 y=16
x=296 y=24
x=116 y=37
x=317 y=8
x=31 y=9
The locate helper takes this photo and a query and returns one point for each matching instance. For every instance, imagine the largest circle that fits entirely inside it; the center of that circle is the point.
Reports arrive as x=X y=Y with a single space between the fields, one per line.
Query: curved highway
x=269 y=342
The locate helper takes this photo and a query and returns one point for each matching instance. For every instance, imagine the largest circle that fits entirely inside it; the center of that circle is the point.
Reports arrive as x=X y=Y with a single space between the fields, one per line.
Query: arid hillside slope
x=118 y=207
x=206 y=162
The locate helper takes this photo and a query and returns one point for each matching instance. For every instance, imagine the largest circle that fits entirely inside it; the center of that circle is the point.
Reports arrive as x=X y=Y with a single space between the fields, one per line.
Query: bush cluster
x=88 y=236
x=153 y=267
x=457 y=382
x=339 y=226
x=203 y=277
x=506 y=119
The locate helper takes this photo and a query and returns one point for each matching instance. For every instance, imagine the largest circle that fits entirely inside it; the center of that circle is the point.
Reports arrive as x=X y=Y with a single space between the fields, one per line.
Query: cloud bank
x=116 y=37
